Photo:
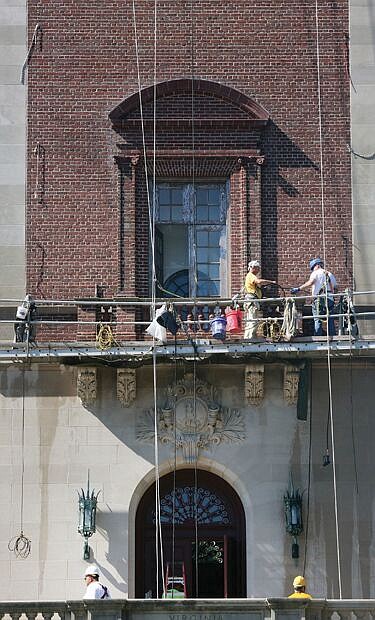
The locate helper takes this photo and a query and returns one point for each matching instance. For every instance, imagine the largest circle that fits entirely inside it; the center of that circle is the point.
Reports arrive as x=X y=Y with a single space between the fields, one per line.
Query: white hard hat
x=254 y=263
x=92 y=570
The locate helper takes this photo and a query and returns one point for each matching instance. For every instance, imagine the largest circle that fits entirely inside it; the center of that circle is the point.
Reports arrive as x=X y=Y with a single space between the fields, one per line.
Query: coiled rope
x=105 y=338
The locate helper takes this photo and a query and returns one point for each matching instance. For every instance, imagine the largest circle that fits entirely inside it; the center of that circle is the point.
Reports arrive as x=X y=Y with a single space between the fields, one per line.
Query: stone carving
x=126 y=386
x=254 y=384
x=291 y=381
x=192 y=419
x=86 y=385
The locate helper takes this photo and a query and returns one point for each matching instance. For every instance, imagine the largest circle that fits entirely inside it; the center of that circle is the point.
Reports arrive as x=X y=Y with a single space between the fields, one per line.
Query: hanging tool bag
x=168 y=320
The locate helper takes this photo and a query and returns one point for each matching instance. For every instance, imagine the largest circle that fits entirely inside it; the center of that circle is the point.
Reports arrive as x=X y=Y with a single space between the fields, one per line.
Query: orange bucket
x=234 y=318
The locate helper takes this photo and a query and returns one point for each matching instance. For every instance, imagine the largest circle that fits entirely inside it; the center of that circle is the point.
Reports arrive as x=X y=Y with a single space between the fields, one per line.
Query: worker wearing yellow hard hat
x=299 y=586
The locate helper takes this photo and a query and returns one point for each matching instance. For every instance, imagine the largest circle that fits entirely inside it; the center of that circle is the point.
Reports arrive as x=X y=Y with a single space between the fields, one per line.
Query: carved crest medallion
x=192 y=419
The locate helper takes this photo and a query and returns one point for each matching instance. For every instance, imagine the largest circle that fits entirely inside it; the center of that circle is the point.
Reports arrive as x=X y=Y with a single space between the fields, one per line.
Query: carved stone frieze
x=254 y=384
x=291 y=381
x=192 y=420
x=126 y=386
x=87 y=385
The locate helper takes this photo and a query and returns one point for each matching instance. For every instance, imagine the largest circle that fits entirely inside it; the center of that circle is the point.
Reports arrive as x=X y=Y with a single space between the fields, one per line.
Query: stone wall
x=12 y=150
x=64 y=438
x=362 y=62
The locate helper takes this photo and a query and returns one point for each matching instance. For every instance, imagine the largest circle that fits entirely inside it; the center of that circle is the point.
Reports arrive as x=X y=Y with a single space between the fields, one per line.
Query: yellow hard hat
x=299 y=582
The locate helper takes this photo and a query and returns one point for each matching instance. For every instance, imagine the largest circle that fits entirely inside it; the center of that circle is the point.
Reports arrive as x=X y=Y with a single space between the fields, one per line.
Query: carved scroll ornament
x=291 y=381
x=86 y=385
x=254 y=384
x=126 y=386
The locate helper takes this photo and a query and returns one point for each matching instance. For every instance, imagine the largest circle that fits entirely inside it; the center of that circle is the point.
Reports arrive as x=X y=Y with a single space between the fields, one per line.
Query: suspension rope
x=193 y=196
x=153 y=296
x=150 y=210
x=309 y=473
x=21 y=545
x=151 y=214
x=195 y=477
x=195 y=276
x=174 y=469
x=322 y=187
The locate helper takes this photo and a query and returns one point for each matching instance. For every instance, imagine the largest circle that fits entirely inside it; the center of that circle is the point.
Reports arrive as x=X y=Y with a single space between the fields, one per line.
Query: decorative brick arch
x=186 y=86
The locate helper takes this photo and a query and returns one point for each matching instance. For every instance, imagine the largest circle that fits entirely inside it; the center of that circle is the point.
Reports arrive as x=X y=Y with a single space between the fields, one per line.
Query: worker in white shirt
x=94 y=589
x=323 y=285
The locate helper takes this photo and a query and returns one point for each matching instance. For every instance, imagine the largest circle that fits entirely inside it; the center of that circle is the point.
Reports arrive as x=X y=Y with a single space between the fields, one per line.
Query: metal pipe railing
x=186 y=301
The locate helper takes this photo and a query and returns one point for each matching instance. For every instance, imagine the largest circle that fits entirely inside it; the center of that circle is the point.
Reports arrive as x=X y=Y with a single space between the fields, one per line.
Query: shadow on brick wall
x=280 y=153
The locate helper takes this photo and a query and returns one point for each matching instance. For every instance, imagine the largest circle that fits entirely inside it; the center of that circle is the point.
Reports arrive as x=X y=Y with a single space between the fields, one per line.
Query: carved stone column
x=291 y=381
x=87 y=385
x=126 y=386
x=254 y=384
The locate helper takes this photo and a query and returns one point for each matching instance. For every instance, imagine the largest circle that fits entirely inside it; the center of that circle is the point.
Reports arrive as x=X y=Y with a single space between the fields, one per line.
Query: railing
x=191 y=609
x=79 y=320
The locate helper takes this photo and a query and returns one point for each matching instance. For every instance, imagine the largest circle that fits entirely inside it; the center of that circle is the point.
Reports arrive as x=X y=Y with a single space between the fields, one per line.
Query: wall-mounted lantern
x=87 y=515
x=293 y=516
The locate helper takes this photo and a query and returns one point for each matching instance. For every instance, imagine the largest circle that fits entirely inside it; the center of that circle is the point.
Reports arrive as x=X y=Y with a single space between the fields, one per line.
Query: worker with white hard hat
x=299 y=586
x=94 y=588
x=323 y=286
x=253 y=292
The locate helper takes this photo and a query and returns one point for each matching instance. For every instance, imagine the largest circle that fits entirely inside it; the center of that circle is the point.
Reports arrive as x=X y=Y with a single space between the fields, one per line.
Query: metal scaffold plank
x=200 y=349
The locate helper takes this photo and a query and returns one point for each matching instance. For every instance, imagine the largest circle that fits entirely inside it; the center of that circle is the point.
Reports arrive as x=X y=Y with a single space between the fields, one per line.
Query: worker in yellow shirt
x=253 y=291
x=299 y=586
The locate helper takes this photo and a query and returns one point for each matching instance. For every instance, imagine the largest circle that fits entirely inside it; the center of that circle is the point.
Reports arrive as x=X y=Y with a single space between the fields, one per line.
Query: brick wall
x=79 y=236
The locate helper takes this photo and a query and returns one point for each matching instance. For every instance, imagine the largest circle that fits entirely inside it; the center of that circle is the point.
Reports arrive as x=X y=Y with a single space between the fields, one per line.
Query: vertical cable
x=195 y=276
x=153 y=287
x=195 y=478
x=152 y=242
x=174 y=465
x=309 y=474
x=194 y=215
x=151 y=213
x=23 y=450
x=21 y=545
x=326 y=298
x=153 y=298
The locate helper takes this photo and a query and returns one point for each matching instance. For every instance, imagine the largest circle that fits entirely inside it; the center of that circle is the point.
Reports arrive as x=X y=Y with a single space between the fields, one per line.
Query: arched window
x=193 y=504
x=196 y=507
x=204 y=187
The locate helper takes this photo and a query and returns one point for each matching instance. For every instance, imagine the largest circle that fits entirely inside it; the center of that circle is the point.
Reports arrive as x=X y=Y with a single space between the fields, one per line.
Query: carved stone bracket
x=291 y=381
x=126 y=386
x=254 y=384
x=87 y=385
x=191 y=419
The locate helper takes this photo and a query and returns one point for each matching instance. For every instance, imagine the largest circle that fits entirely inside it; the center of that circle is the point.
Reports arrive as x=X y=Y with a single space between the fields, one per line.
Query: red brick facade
x=88 y=225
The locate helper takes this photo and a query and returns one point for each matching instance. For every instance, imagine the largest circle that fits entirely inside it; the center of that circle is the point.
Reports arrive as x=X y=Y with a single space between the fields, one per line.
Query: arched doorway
x=198 y=507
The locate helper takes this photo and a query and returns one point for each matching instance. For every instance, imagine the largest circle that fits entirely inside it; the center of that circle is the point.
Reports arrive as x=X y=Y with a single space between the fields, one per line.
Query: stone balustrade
x=191 y=609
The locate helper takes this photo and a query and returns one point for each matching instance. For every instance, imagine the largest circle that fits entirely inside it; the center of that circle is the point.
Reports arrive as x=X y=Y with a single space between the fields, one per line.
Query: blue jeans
x=319 y=307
